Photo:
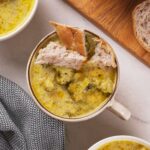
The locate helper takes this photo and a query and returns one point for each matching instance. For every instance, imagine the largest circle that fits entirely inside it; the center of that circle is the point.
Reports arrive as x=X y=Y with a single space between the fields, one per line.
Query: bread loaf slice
x=141 y=24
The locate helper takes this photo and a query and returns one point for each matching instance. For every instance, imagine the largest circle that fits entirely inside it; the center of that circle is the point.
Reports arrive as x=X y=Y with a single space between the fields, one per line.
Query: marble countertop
x=134 y=87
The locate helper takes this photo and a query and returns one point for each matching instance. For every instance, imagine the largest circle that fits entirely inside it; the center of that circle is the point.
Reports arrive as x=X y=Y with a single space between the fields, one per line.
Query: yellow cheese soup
x=123 y=145
x=13 y=13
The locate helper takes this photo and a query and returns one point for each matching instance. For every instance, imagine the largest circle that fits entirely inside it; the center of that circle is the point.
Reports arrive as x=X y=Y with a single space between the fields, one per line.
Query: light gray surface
x=134 y=84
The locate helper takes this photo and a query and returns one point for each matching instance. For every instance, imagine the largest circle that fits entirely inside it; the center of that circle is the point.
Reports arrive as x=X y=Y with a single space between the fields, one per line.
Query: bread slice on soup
x=72 y=38
x=104 y=55
x=57 y=54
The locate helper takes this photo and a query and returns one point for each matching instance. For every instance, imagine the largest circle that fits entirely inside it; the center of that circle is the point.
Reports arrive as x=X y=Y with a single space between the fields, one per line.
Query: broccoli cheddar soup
x=13 y=13
x=123 y=145
x=74 y=78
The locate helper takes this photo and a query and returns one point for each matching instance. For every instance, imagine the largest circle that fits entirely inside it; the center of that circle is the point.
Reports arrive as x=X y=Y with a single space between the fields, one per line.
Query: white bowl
x=22 y=25
x=118 y=138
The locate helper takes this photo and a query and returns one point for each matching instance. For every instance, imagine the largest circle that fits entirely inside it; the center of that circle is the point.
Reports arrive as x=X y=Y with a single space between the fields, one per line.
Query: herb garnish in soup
x=74 y=73
x=123 y=145
x=13 y=13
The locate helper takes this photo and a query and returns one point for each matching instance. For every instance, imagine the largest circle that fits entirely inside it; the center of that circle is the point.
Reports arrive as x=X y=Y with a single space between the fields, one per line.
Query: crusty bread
x=104 y=55
x=57 y=54
x=141 y=24
x=72 y=38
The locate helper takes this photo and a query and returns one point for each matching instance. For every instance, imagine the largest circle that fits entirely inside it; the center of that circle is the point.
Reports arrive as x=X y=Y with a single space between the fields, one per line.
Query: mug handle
x=119 y=110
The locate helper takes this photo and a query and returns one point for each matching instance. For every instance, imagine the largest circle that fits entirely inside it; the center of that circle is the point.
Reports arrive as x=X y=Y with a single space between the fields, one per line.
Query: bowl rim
x=22 y=24
x=82 y=118
x=119 y=138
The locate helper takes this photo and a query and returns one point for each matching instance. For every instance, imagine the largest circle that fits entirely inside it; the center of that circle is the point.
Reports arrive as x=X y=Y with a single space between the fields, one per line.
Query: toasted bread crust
x=65 y=34
x=79 y=40
x=71 y=37
x=135 y=25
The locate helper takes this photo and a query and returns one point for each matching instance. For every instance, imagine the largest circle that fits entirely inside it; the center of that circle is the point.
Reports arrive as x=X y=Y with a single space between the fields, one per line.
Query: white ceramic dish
x=111 y=104
x=22 y=25
x=119 y=138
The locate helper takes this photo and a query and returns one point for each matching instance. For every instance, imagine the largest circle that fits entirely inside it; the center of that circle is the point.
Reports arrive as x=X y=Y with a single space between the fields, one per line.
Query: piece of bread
x=141 y=24
x=72 y=38
x=104 y=55
x=57 y=54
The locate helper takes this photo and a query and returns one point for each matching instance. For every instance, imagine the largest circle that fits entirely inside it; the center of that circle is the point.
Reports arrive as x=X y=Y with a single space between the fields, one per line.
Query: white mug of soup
x=111 y=104
x=121 y=141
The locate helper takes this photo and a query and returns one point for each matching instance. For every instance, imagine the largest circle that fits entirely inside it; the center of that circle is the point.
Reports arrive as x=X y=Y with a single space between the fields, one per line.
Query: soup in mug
x=69 y=84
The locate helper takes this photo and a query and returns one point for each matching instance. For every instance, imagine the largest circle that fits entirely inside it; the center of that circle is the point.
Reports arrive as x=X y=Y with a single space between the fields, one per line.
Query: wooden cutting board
x=115 y=18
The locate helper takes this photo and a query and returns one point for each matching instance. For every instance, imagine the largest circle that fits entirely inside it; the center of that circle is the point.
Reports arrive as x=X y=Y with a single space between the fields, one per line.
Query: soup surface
x=72 y=93
x=13 y=13
x=123 y=145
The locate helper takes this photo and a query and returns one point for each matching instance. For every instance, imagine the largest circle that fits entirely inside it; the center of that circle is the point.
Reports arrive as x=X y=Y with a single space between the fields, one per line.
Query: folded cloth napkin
x=22 y=125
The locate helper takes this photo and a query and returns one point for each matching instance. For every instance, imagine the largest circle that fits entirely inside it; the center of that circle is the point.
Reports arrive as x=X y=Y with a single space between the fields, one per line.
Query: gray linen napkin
x=22 y=125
